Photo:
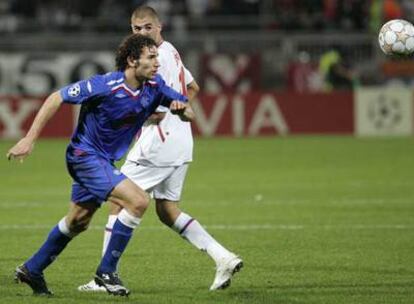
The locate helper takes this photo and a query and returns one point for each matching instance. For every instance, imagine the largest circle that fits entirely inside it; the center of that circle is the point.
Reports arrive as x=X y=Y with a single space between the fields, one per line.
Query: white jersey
x=170 y=143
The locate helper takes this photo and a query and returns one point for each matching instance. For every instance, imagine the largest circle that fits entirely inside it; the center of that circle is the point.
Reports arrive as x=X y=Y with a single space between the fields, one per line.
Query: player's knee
x=162 y=213
x=167 y=212
x=79 y=216
x=140 y=204
x=162 y=217
x=78 y=225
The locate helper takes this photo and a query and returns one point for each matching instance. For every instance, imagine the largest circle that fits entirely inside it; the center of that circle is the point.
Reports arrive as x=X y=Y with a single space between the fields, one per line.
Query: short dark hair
x=145 y=11
x=131 y=47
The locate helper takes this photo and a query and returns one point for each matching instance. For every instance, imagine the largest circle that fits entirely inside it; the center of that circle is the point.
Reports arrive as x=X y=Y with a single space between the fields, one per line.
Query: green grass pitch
x=316 y=220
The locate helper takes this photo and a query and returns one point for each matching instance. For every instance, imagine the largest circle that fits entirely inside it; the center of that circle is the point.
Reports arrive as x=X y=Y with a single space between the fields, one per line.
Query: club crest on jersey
x=74 y=90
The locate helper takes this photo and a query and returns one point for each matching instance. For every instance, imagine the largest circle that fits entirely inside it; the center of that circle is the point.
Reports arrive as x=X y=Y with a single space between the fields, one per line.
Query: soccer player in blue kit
x=114 y=108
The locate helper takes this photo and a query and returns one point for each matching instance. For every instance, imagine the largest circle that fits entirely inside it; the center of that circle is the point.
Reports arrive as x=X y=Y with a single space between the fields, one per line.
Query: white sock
x=128 y=219
x=192 y=231
x=108 y=231
x=64 y=229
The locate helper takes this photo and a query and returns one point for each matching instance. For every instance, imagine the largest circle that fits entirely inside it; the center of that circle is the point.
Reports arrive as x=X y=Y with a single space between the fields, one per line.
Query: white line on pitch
x=241 y=227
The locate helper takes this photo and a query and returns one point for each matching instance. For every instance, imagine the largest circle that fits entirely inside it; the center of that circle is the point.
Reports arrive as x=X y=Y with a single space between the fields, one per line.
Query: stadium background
x=260 y=64
x=312 y=180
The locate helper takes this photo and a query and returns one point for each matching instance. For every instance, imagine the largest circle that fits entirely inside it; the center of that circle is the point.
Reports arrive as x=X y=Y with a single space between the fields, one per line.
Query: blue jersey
x=112 y=113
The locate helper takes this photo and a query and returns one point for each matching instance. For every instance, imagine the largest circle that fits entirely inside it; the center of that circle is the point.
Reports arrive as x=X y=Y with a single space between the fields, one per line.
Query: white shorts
x=161 y=182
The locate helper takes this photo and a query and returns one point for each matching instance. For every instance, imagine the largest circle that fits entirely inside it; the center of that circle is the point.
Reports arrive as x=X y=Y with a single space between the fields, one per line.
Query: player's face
x=148 y=27
x=148 y=63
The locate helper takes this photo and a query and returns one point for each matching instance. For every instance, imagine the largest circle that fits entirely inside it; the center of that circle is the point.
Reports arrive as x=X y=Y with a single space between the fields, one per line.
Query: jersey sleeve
x=83 y=90
x=167 y=94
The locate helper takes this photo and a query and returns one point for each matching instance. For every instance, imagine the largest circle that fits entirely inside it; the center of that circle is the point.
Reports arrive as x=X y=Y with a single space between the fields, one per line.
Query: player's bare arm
x=192 y=90
x=25 y=146
x=187 y=114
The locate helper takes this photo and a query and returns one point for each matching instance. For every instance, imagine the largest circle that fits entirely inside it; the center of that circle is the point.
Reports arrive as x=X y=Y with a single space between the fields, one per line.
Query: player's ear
x=133 y=63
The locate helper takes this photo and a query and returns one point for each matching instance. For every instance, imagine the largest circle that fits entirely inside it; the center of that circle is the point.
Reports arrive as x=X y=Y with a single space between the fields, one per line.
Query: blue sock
x=53 y=246
x=120 y=237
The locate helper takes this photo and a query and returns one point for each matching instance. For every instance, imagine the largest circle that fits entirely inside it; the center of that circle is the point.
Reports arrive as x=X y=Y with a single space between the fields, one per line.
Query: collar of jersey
x=125 y=86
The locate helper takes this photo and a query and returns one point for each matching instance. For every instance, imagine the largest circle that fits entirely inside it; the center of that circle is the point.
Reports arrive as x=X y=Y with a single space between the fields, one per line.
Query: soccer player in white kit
x=158 y=161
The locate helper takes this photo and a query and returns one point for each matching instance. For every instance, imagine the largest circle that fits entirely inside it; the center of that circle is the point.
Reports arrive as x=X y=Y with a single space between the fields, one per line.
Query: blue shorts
x=94 y=177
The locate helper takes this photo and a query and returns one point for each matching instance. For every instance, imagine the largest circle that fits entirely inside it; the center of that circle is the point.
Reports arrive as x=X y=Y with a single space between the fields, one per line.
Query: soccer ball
x=396 y=37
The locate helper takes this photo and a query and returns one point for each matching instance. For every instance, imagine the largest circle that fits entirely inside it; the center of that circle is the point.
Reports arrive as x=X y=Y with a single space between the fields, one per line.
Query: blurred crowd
x=305 y=15
x=345 y=15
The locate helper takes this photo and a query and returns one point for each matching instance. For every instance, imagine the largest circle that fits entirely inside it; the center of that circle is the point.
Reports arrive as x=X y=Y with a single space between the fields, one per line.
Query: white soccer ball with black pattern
x=396 y=37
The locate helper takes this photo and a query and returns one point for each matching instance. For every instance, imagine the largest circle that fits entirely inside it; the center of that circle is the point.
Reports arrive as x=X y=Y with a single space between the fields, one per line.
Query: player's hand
x=177 y=107
x=188 y=114
x=20 y=150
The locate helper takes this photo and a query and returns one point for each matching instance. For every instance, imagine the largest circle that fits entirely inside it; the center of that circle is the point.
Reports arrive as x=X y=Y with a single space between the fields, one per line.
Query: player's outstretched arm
x=192 y=91
x=25 y=146
x=186 y=114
